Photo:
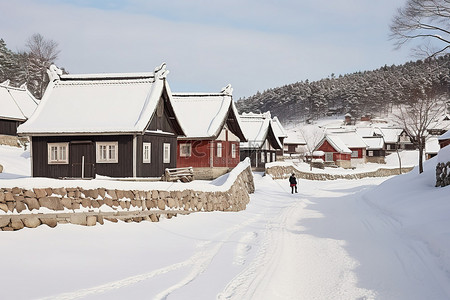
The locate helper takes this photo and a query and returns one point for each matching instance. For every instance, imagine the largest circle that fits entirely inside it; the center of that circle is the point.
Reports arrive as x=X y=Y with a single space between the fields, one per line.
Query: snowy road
x=327 y=242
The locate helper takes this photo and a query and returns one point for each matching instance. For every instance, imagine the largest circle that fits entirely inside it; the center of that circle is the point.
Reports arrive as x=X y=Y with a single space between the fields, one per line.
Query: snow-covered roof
x=97 y=103
x=336 y=142
x=445 y=136
x=365 y=131
x=16 y=103
x=390 y=135
x=374 y=142
x=351 y=139
x=278 y=129
x=432 y=145
x=257 y=128
x=203 y=115
x=291 y=139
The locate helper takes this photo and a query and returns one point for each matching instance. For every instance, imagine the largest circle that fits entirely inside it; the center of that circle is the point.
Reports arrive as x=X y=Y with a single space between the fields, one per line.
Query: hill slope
x=374 y=92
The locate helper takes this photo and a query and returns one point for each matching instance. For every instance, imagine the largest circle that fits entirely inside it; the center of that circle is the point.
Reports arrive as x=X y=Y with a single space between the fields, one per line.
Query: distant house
x=375 y=152
x=333 y=151
x=16 y=106
x=444 y=140
x=279 y=131
x=294 y=146
x=262 y=141
x=213 y=132
x=391 y=137
x=405 y=141
x=117 y=125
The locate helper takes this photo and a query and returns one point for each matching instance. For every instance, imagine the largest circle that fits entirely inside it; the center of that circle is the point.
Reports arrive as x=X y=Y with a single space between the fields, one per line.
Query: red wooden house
x=213 y=132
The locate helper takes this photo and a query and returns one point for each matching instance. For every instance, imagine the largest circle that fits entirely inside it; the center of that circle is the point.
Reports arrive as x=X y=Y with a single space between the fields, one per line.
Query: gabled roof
x=335 y=142
x=16 y=103
x=203 y=115
x=278 y=129
x=374 y=142
x=257 y=128
x=389 y=134
x=98 y=103
x=352 y=140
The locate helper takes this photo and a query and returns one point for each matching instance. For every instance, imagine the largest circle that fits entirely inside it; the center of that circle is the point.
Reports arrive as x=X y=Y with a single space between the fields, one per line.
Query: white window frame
x=355 y=154
x=233 y=151
x=166 y=153
x=329 y=156
x=388 y=147
x=107 y=152
x=370 y=153
x=61 y=156
x=186 y=150
x=263 y=157
x=268 y=156
x=219 y=150
x=274 y=157
x=146 y=153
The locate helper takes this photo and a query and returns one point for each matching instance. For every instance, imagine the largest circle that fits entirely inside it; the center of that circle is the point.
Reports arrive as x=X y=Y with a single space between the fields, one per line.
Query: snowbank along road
x=326 y=242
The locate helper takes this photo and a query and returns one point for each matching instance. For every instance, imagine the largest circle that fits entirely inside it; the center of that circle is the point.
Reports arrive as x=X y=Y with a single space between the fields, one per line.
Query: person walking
x=293 y=182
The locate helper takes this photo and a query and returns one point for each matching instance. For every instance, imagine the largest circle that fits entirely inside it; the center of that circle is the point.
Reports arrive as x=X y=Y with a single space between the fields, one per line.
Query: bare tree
x=423 y=19
x=417 y=116
x=41 y=54
x=312 y=135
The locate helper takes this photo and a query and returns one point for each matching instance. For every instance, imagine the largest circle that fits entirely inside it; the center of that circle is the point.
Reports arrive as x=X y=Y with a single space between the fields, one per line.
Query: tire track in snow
x=199 y=262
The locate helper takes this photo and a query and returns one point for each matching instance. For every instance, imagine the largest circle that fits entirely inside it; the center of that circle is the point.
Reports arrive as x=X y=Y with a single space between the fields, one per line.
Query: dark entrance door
x=82 y=158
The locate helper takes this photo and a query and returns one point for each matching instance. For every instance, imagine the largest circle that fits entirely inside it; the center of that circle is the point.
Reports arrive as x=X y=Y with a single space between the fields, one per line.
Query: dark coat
x=292 y=180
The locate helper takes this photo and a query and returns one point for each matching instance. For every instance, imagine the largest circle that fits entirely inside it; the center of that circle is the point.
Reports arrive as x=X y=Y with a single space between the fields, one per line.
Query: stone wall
x=443 y=174
x=283 y=172
x=21 y=208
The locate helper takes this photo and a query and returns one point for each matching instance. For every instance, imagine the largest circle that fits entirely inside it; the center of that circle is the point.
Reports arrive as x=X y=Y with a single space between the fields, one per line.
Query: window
x=166 y=153
x=370 y=153
x=329 y=156
x=219 y=149
x=185 y=150
x=274 y=157
x=233 y=151
x=388 y=147
x=58 y=153
x=268 y=156
x=355 y=154
x=147 y=153
x=263 y=157
x=107 y=152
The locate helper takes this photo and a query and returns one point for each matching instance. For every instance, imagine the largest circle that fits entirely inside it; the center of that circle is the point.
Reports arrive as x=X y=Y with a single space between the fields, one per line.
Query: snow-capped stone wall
x=21 y=208
x=283 y=172
x=443 y=174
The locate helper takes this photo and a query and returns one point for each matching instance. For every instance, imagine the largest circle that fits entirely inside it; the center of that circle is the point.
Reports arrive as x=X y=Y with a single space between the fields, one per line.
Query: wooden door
x=82 y=159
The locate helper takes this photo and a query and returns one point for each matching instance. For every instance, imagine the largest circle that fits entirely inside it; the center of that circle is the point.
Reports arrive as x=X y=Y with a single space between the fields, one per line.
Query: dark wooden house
x=262 y=141
x=444 y=140
x=16 y=106
x=116 y=125
x=212 y=132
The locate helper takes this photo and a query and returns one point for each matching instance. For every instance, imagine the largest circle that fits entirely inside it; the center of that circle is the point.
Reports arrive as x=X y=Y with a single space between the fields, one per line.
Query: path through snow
x=327 y=242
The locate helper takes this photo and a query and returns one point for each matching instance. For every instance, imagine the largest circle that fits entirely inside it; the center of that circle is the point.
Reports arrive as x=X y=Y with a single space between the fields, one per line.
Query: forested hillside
x=374 y=92
x=30 y=65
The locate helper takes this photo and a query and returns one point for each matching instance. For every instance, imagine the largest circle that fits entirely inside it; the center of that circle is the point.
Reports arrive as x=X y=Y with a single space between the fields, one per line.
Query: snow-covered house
x=212 y=132
x=333 y=151
x=294 y=146
x=280 y=132
x=375 y=152
x=262 y=142
x=391 y=137
x=16 y=106
x=117 y=125
x=444 y=140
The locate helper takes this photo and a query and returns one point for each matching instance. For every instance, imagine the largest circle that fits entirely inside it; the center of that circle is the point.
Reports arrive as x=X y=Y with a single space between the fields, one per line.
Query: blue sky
x=254 y=44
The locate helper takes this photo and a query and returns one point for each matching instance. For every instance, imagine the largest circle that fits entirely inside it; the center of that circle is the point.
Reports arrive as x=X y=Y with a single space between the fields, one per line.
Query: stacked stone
x=66 y=201
x=443 y=174
x=283 y=172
